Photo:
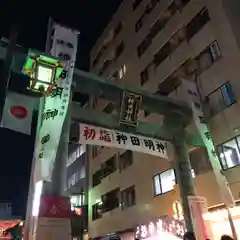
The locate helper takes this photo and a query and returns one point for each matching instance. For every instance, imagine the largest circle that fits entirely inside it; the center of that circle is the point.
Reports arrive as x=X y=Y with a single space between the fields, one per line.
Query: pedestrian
x=189 y=236
x=226 y=237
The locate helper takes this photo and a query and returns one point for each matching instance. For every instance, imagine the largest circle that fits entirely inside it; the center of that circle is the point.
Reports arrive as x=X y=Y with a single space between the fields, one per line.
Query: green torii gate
x=177 y=115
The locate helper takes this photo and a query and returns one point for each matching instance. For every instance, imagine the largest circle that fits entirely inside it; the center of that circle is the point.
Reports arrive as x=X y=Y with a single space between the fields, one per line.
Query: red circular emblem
x=19 y=112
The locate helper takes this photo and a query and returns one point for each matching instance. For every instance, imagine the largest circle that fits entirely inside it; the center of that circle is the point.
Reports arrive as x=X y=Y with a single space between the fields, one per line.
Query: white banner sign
x=93 y=135
x=191 y=92
x=64 y=46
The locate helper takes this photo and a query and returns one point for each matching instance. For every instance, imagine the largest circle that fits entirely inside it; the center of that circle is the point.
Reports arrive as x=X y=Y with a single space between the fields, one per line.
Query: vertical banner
x=191 y=92
x=63 y=46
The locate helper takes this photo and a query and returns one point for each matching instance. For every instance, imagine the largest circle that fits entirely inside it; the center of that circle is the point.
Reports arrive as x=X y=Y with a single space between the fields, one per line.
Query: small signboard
x=54 y=220
x=130 y=109
x=198 y=207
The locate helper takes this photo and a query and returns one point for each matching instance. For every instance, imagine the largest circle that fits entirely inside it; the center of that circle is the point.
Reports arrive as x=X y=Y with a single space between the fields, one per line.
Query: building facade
x=152 y=44
x=77 y=185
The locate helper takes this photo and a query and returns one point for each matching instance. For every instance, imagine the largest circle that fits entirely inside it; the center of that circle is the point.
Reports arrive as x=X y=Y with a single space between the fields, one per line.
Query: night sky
x=88 y=16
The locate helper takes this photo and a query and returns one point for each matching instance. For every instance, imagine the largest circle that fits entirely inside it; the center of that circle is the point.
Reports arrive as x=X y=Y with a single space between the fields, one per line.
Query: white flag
x=18 y=112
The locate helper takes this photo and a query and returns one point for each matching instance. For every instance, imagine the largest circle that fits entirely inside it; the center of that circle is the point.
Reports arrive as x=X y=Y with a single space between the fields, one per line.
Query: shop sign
x=159 y=227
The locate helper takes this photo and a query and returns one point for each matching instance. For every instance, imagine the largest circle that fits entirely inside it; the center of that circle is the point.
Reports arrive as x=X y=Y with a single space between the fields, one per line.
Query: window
x=136 y=4
x=169 y=47
x=144 y=45
x=104 y=67
x=156 y=27
x=119 y=50
x=207 y=57
x=150 y=6
x=197 y=23
x=122 y=72
x=79 y=152
x=164 y=182
x=215 y=51
x=229 y=153
x=128 y=197
x=139 y=24
x=97 y=211
x=221 y=98
x=118 y=29
x=144 y=76
x=110 y=200
x=162 y=54
x=125 y=160
x=97 y=177
x=109 y=166
x=73 y=179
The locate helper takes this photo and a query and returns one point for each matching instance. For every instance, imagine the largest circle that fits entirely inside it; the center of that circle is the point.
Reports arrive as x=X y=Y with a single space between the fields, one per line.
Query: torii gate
x=177 y=115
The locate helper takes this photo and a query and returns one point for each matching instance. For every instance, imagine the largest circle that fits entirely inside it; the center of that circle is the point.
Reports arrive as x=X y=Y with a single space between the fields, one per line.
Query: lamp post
x=44 y=71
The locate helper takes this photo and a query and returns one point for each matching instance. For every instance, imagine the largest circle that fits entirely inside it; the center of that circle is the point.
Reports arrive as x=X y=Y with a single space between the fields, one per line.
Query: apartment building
x=152 y=44
x=77 y=183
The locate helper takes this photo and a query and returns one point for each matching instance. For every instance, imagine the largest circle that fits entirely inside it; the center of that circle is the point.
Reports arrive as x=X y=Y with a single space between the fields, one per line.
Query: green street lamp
x=43 y=71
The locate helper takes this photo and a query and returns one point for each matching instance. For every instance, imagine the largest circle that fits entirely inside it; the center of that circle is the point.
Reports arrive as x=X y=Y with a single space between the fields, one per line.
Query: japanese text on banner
x=64 y=46
x=105 y=137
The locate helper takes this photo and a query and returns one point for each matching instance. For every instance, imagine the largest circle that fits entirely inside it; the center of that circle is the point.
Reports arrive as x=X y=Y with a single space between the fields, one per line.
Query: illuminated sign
x=159 y=227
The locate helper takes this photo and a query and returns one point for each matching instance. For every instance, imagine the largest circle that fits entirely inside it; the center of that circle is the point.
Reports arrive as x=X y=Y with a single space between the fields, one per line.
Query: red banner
x=55 y=207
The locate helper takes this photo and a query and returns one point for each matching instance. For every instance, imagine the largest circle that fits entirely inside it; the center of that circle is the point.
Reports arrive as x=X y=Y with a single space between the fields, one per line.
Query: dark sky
x=88 y=16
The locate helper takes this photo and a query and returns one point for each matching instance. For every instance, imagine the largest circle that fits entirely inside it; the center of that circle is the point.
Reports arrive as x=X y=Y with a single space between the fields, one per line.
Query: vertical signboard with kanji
x=130 y=109
x=191 y=92
x=64 y=47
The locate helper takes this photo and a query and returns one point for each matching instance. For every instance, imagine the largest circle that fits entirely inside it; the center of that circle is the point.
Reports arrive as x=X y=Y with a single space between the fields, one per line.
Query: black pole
x=6 y=67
